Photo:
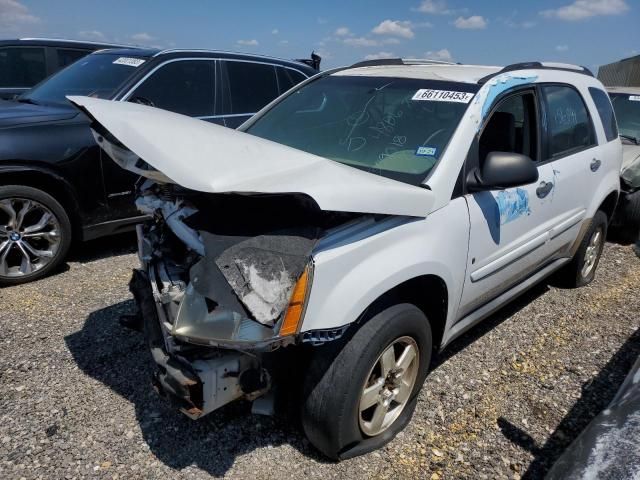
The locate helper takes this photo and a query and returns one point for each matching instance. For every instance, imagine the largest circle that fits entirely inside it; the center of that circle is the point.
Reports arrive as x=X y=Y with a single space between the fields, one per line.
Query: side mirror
x=503 y=170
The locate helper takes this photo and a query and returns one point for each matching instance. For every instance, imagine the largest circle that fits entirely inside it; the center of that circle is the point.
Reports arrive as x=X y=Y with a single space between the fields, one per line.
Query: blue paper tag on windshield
x=426 y=151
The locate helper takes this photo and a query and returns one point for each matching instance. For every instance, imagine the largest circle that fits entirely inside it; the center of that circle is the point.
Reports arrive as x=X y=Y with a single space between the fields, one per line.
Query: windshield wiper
x=631 y=138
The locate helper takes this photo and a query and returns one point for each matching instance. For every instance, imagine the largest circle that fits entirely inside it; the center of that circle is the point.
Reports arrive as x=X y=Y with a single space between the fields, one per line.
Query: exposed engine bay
x=220 y=276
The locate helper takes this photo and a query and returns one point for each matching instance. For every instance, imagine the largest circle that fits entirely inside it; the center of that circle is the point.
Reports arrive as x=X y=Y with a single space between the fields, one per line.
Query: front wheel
x=358 y=398
x=35 y=234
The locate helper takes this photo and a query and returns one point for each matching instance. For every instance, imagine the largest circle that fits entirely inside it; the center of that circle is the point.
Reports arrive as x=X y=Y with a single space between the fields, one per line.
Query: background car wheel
x=359 y=393
x=582 y=269
x=35 y=234
x=627 y=219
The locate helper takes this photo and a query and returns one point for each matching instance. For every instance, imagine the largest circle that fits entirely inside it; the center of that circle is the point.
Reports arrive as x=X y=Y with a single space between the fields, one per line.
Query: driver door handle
x=595 y=164
x=544 y=189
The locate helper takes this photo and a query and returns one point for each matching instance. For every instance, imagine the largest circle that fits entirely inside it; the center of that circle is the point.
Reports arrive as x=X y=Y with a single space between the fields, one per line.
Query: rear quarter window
x=605 y=111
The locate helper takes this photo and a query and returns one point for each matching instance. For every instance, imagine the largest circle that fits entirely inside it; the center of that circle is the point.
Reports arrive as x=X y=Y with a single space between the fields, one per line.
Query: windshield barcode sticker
x=442 y=96
x=634 y=98
x=132 y=62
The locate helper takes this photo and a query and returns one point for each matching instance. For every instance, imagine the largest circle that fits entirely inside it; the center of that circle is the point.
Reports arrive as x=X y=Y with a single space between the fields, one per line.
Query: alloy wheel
x=388 y=386
x=592 y=252
x=29 y=236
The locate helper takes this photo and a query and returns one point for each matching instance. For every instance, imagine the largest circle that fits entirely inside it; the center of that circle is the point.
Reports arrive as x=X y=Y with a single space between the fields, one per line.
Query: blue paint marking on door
x=512 y=204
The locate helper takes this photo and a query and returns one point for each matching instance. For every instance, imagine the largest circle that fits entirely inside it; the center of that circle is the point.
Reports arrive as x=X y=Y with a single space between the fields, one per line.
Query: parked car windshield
x=97 y=75
x=627 y=108
x=397 y=128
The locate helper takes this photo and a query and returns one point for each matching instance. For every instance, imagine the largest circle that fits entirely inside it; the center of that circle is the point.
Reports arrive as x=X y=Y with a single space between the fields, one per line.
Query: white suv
x=361 y=221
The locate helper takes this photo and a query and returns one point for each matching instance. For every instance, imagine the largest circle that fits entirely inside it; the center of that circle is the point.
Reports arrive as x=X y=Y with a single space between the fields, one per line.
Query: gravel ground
x=503 y=401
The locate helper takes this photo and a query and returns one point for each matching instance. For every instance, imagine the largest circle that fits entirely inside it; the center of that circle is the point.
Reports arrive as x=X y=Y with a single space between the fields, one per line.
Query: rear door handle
x=595 y=164
x=544 y=189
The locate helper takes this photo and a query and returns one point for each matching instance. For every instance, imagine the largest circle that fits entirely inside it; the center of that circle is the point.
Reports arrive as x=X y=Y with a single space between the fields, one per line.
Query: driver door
x=509 y=228
x=187 y=87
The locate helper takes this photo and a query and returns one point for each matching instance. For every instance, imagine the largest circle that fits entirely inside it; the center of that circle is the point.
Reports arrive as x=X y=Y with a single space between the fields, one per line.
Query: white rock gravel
x=76 y=402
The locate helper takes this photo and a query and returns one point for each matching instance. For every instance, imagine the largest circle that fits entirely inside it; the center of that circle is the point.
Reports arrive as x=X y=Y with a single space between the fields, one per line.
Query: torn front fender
x=209 y=158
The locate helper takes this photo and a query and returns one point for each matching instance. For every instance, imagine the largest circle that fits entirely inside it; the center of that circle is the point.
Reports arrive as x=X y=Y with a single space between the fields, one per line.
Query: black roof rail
x=400 y=61
x=536 y=66
x=381 y=61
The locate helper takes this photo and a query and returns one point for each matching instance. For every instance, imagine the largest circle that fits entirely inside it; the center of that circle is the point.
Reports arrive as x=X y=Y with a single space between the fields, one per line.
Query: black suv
x=57 y=184
x=28 y=61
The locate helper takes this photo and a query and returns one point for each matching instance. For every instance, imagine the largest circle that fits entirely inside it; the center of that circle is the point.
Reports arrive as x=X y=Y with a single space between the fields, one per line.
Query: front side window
x=568 y=123
x=97 y=75
x=397 y=128
x=512 y=127
x=21 y=67
x=250 y=86
x=627 y=108
x=184 y=86
x=605 y=111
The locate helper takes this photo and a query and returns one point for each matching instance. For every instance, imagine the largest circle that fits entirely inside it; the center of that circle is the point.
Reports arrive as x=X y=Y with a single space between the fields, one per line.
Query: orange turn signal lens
x=295 y=309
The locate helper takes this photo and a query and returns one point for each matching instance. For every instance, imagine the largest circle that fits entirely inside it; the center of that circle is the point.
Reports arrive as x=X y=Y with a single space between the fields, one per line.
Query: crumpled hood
x=17 y=113
x=630 y=171
x=209 y=158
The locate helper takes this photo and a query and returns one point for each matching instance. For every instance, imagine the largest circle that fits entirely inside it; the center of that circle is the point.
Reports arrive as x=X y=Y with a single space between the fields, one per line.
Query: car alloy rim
x=592 y=252
x=29 y=236
x=388 y=386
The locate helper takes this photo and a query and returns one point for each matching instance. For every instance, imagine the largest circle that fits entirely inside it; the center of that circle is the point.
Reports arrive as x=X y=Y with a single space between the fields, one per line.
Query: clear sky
x=587 y=32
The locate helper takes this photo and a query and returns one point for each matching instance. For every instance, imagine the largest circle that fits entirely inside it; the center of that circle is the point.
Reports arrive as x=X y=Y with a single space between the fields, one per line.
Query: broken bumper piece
x=196 y=381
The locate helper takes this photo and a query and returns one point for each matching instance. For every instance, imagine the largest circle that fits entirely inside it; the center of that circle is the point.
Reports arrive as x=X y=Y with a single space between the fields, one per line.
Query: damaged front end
x=223 y=281
x=227 y=259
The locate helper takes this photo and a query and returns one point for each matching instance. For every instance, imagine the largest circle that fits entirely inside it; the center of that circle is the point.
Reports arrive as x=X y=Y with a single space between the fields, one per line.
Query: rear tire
x=582 y=269
x=347 y=375
x=35 y=234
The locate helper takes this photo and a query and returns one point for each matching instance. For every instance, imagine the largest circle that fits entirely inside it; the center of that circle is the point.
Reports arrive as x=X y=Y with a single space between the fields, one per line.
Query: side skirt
x=112 y=227
x=487 y=309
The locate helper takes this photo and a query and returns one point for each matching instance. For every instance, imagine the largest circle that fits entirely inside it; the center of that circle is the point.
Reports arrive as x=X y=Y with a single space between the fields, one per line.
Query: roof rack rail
x=567 y=67
x=400 y=61
x=426 y=61
x=67 y=40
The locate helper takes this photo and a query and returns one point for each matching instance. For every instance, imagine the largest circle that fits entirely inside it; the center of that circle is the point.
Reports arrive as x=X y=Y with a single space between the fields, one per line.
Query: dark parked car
x=57 y=184
x=626 y=104
x=28 y=61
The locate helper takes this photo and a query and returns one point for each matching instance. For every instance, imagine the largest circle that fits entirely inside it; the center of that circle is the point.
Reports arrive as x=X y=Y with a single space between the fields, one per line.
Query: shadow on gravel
x=121 y=244
x=118 y=358
x=596 y=395
x=490 y=323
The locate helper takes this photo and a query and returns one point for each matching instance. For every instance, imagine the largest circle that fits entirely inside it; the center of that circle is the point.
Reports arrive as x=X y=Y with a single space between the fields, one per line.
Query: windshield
x=397 y=128
x=627 y=108
x=97 y=75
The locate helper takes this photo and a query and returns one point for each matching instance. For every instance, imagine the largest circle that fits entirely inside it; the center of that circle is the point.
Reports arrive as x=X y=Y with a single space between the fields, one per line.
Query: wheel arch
x=433 y=304
x=608 y=205
x=49 y=182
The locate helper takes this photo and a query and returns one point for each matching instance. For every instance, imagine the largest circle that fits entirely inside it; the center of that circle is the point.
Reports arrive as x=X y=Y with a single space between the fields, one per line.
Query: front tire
x=35 y=234
x=360 y=393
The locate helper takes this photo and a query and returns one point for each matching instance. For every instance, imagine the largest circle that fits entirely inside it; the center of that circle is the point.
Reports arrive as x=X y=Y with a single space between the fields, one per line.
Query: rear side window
x=185 y=86
x=288 y=78
x=250 y=86
x=605 y=110
x=21 y=66
x=568 y=123
x=67 y=56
